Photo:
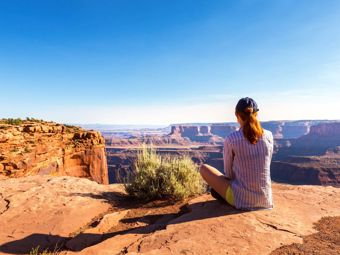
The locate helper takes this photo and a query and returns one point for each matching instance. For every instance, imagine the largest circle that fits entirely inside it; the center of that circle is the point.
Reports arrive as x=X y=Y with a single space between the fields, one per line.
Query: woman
x=247 y=155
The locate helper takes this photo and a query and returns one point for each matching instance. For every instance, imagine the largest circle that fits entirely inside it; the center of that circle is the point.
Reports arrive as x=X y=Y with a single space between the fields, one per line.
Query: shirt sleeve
x=228 y=158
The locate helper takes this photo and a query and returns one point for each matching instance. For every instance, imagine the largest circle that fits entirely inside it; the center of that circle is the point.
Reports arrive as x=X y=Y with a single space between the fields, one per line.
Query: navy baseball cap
x=246 y=102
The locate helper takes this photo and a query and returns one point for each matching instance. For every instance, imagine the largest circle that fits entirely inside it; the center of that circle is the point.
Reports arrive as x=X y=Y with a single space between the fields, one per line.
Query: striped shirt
x=248 y=167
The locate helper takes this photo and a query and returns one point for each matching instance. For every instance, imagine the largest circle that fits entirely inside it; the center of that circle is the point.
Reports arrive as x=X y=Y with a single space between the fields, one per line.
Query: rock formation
x=311 y=159
x=280 y=129
x=210 y=134
x=321 y=138
x=49 y=148
x=222 y=130
x=80 y=216
x=138 y=140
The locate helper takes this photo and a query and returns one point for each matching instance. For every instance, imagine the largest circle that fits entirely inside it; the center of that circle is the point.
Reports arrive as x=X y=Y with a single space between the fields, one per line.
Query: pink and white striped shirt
x=248 y=167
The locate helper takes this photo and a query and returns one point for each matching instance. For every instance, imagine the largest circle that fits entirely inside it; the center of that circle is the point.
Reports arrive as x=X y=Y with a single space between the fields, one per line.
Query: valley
x=305 y=152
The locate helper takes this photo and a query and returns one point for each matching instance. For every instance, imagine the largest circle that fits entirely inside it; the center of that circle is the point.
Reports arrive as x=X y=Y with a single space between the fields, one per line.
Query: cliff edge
x=80 y=216
x=39 y=148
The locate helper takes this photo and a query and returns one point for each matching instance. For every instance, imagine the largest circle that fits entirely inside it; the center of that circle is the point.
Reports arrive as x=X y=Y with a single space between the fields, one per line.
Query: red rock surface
x=45 y=210
x=325 y=242
x=50 y=148
x=88 y=218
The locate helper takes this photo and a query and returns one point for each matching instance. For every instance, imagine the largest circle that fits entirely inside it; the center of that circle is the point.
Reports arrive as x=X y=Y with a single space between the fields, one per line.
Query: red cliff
x=49 y=148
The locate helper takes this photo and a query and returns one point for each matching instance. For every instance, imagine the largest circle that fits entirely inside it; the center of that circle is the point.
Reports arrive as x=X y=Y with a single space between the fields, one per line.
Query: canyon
x=55 y=192
x=305 y=152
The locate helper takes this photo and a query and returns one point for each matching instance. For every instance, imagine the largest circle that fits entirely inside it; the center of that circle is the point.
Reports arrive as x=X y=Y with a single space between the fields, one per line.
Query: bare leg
x=215 y=179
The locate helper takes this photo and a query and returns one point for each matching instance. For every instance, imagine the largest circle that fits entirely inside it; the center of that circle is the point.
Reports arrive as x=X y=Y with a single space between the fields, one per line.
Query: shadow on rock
x=25 y=245
x=196 y=211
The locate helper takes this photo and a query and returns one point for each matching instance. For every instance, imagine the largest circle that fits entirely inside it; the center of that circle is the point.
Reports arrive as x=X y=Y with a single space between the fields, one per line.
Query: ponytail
x=252 y=129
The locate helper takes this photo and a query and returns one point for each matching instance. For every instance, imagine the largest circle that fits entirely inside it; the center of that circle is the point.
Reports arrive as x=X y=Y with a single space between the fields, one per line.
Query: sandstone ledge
x=51 y=148
x=88 y=218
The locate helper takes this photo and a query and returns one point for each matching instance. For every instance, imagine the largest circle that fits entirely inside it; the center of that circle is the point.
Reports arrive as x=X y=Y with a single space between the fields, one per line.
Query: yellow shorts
x=230 y=196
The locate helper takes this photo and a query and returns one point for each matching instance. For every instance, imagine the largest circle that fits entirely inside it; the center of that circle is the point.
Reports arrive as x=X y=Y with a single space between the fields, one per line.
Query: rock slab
x=79 y=213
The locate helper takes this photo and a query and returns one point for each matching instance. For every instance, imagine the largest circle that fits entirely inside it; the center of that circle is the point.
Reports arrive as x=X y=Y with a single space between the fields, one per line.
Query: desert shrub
x=34 y=120
x=11 y=121
x=156 y=176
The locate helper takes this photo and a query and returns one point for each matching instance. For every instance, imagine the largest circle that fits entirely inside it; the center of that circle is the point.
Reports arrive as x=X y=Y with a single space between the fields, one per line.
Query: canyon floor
x=79 y=216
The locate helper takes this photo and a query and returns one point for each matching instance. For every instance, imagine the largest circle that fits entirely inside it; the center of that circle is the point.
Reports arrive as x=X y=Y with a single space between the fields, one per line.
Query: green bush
x=12 y=121
x=156 y=176
x=34 y=120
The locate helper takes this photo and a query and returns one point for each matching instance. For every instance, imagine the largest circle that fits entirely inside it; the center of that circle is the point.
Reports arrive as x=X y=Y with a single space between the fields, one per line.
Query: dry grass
x=156 y=176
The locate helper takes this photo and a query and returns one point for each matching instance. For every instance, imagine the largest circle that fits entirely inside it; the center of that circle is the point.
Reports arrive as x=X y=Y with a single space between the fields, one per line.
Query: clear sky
x=168 y=61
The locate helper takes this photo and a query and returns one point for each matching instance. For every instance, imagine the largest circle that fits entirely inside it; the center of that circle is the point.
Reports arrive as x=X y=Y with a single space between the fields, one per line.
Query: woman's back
x=248 y=167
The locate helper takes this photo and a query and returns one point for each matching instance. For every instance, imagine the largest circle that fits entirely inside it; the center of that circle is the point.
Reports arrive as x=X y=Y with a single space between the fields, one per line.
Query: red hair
x=252 y=129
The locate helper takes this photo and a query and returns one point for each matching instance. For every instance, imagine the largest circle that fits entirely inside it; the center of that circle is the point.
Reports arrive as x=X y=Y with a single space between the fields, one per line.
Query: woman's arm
x=228 y=158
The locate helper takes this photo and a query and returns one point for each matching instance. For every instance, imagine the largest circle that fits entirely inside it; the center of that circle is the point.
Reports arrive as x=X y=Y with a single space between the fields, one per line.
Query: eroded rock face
x=156 y=140
x=311 y=159
x=84 y=217
x=326 y=129
x=280 y=129
x=51 y=148
x=222 y=130
x=209 y=134
x=321 y=138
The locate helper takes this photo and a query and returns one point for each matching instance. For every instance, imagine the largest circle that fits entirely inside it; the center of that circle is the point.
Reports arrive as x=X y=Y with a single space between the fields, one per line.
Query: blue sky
x=162 y=62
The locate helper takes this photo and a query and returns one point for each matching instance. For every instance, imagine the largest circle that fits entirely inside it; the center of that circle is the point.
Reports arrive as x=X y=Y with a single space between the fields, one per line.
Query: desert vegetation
x=18 y=121
x=11 y=121
x=163 y=176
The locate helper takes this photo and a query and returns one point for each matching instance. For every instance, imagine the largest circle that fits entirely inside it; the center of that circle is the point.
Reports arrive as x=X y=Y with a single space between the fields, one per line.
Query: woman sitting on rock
x=247 y=155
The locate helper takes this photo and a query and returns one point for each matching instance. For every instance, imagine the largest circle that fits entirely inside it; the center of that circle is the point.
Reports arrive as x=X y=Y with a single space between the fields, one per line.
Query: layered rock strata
x=280 y=129
x=51 y=148
x=311 y=159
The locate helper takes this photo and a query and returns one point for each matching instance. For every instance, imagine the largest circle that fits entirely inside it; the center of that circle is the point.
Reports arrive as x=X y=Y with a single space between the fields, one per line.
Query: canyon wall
x=157 y=140
x=317 y=142
x=280 y=129
x=310 y=159
x=212 y=134
x=50 y=148
x=322 y=170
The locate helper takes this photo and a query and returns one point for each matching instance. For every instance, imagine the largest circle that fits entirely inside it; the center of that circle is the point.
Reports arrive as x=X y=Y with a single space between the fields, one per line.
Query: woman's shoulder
x=268 y=135
x=233 y=136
